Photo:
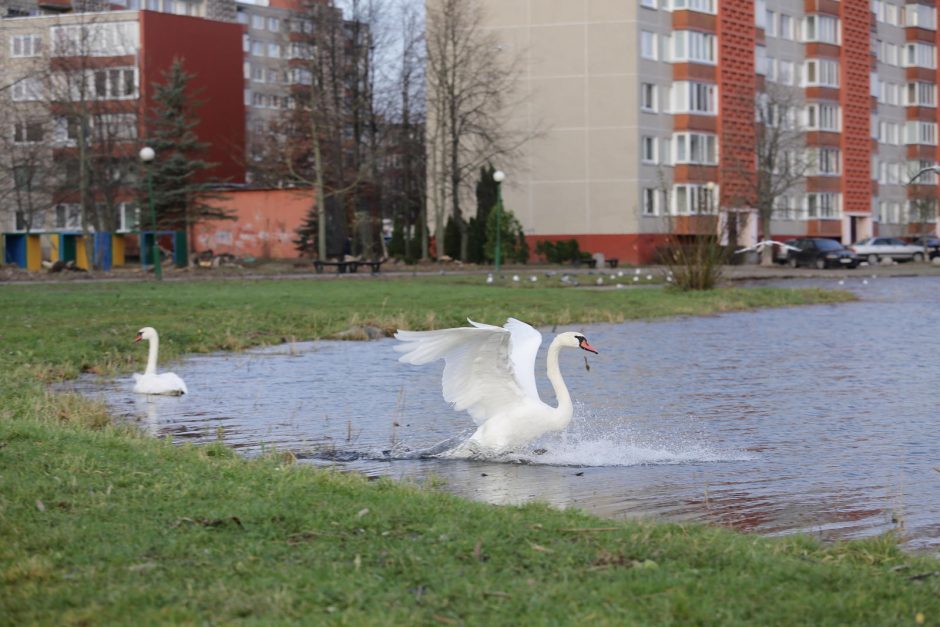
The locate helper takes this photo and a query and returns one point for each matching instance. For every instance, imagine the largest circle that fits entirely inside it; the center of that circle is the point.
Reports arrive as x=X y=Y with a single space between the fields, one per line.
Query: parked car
x=931 y=243
x=875 y=249
x=820 y=253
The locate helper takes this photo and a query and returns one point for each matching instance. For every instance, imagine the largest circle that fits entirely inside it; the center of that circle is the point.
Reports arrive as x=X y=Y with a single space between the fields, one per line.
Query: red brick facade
x=855 y=98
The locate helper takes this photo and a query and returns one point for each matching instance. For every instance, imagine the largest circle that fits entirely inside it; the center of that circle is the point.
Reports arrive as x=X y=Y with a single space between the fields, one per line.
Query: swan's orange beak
x=585 y=346
x=138 y=338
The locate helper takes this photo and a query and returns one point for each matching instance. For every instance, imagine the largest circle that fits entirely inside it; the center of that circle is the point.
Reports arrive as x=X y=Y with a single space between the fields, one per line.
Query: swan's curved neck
x=152 y=356
x=564 y=408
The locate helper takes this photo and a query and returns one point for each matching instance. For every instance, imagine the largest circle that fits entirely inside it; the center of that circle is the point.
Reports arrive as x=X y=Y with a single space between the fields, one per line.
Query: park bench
x=340 y=266
x=374 y=265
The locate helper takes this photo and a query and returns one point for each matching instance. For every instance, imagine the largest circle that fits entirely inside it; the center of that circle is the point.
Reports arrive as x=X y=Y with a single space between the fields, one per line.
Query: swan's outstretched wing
x=479 y=365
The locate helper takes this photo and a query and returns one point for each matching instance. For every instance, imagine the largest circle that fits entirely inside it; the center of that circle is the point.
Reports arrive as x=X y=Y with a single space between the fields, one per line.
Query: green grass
x=99 y=525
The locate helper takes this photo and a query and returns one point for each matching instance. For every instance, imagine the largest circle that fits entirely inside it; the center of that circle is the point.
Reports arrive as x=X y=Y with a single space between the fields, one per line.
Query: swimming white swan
x=150 y=382
x=490 y=372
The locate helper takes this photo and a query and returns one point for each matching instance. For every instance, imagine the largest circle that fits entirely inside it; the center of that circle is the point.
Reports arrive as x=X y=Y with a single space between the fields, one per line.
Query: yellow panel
x=117 y=250
x=33 y=253
x=81 y=259
x=54 y=243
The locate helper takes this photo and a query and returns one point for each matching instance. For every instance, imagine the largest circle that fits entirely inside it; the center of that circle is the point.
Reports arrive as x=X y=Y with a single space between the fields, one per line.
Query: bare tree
x=25 y=165
x=472 y=82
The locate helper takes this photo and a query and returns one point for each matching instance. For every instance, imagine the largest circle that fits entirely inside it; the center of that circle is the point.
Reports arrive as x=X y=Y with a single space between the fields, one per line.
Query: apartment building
x=647 y=110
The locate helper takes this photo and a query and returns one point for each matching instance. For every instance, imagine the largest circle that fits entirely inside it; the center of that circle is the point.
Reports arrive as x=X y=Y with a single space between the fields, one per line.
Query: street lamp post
x=146 y=155
x=499 y=176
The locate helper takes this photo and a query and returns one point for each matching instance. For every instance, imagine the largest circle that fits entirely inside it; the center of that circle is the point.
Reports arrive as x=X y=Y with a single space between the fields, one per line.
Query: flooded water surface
x=817 y=419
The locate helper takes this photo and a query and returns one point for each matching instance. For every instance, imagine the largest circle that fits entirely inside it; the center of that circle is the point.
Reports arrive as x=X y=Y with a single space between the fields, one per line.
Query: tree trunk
x=767 y=254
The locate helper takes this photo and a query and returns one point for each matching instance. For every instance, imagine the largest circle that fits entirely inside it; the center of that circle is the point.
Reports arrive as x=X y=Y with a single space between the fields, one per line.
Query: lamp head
x=147 y=154
x=499 y=176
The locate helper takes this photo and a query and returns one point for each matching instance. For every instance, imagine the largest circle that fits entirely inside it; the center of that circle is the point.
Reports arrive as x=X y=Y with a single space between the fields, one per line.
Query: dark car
x=820 y=253
x=932 y=244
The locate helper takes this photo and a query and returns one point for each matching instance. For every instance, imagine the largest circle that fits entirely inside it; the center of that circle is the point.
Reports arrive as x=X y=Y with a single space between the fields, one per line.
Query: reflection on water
x=816 y=419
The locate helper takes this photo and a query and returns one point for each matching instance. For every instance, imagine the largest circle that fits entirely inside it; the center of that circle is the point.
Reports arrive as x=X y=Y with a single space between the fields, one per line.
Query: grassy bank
x=101 y=526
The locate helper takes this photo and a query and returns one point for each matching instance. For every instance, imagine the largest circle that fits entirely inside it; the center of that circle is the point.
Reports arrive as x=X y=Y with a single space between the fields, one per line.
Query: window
x=702 y=6
x=921 y=94
x=257 y=73
x=649 y=4
x=246 y=43
x=889 y=53
x=242 y=17
x=169 y=6
x=648 y=45
x=130 y=217
x=27 y=89
x=921 y=16
x=760 y=13
x=272 y=77
x=784 y=208
x=695 y=148
x=821 y=72
x=770 y=24
x=648 y=97
x=694 y=97
x=27 y=132
x=650 y=201
x=785 y=26
x=274 y=24
x=892 y=14
x=785 y=73
x=929 y=177
x=68 y=216
x=823 y=117
x=827 y=162
x=919 y=54
x=761 y=62
x=102 y=39
x=25 y=45
x=889 y=133
x=693 y=46
x=823 y=204
x=111 y=84
x=692 y=199
x=648 y=145
x=274 y=51
x=821 y=28
x=257 y=21
x=918 y=132
x=257 y=48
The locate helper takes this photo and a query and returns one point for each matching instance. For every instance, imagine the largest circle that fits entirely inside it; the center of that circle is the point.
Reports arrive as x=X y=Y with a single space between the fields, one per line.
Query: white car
x=875 y=249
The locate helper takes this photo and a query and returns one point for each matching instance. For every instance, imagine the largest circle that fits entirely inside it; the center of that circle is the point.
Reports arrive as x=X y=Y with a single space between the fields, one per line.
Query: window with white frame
x=821 y=28
x=702 y=6
x=785 y=26
x=922 y=210
x=892 y=14
x=649 y=4
x=693 y=46
x=246 y=42
x=68 y=216
x=761 y=63
x=921 y=94
x=648 y=45
x=25 y=45
x=27 y=131
x=130 y=217
x=784 y=208
x=822 y=205
x=274 y=24
x=929 y=176
x=648 y=97
x=889 y=53
x=257 y=48
x=257 y=22
x=257 y=73
x=770 y=23
x=822 y=72
x=241 y=17
x=695 y=148
x=920 y=132
x=889 y=133
x=826 y=162
x=760 y=13
x=651 y=197
x=274 y=50
x=921 y=16
x=101 y=39
x=648 y=149
x=694 y=97
x=693 y=199
x=29 y=88
x=112 y=83
x=785 y=73
x=272 y=77
x=920 y=54
x=822 y=116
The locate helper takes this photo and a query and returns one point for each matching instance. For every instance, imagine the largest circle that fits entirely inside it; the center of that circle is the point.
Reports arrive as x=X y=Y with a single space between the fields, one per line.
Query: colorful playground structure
x=107 y=250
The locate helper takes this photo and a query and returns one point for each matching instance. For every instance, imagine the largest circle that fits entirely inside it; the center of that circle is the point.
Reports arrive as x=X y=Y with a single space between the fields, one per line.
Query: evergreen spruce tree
x=486 y=200
x=306 y=242
x=178 y=192
x=452 y=239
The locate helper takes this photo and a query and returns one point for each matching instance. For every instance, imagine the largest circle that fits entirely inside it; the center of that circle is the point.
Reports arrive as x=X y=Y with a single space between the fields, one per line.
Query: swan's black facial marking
x=139 y=337
x=583 y=344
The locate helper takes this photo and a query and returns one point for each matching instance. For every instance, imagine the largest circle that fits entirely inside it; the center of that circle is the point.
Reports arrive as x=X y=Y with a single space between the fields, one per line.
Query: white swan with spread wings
x=489 y=371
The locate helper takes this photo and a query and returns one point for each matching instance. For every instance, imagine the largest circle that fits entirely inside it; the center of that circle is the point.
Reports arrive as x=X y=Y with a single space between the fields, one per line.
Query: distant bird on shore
x=489 y=372
x=759 y=246
x=150 y=382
